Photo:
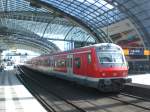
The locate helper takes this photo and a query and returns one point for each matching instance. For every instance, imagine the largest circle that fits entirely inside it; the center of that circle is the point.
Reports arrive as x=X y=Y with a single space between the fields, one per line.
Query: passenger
x=1 y=68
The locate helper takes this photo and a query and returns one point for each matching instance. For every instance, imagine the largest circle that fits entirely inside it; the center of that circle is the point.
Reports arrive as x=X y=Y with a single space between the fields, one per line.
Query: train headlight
x=114 y=74
x=124 y=73
x=103 y=74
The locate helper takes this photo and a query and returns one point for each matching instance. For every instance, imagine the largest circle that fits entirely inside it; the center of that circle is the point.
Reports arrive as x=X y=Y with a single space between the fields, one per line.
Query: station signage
x=136 y=51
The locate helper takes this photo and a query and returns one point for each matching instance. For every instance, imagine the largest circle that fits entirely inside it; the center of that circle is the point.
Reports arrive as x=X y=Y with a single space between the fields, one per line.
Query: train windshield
x=111 y=57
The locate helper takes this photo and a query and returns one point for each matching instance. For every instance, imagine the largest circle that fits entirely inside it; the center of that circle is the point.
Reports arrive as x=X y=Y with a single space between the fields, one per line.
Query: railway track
x=105 y=102
x=49 y=107
x=130 y=100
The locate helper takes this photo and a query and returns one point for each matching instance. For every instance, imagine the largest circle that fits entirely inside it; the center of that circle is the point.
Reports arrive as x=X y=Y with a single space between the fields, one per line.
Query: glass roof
x=97 y=13
x=49 y=31
x=32 y=20
x=18 y=19
x=18 y=5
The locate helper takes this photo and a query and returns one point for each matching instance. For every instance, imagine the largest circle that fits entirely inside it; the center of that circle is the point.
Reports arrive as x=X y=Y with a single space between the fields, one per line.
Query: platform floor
x=140 y=78
x=14 y=97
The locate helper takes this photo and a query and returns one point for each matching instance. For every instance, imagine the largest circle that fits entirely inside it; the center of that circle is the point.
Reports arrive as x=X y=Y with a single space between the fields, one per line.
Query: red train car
x=102 y=66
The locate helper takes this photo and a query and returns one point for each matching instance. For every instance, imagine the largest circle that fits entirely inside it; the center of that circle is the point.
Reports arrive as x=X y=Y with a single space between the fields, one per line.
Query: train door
x=69 y=64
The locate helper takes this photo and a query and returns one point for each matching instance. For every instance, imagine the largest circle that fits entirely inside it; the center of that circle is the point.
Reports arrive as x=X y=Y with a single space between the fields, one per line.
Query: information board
x=136 y=51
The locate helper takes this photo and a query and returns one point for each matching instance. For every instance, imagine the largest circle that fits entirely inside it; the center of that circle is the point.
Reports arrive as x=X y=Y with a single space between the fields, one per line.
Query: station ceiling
x=35 y=24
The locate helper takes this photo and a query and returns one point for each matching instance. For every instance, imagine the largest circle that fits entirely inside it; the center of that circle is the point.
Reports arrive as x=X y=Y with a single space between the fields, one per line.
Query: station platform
x=140 y=78
x=140 y=85
x=14 y=97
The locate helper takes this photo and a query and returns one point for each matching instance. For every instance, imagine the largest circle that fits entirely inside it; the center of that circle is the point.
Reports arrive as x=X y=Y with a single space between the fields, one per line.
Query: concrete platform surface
x=14 y=97
x=141 y=78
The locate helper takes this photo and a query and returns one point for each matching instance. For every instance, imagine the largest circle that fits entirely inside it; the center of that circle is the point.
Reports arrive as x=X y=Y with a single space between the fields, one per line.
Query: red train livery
x=102 y=66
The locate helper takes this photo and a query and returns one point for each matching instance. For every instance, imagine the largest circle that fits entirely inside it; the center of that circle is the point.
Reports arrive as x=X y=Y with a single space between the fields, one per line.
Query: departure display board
x=136 y=51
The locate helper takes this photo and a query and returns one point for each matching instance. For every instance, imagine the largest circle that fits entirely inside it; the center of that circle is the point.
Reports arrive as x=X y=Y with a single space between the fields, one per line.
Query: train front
x=113 y=68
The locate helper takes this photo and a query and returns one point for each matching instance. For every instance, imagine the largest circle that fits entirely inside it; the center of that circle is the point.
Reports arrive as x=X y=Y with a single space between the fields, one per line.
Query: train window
x=70 y=62
x=67 y=62
x=89 y=58
x=55 y=62
x=77 y=62
x=45 y=62
x=48 y=62
x=62 y=63
x=58 y=63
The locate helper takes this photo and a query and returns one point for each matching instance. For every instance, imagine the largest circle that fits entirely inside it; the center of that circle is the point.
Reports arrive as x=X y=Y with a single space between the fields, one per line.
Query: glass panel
x=109 y=56
x=110 y=59
x=89 y=58
x=82 y=8
x=77 y=62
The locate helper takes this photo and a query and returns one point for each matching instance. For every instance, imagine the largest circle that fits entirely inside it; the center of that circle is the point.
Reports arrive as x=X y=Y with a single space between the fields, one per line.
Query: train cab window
x=89 y=58
x=77 y=62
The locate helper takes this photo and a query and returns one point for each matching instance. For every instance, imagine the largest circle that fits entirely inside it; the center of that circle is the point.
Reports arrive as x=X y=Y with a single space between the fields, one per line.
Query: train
x=102 y=66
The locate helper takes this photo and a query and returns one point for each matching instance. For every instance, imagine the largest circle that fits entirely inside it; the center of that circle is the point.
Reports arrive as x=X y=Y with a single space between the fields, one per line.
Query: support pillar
x=1 y=56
